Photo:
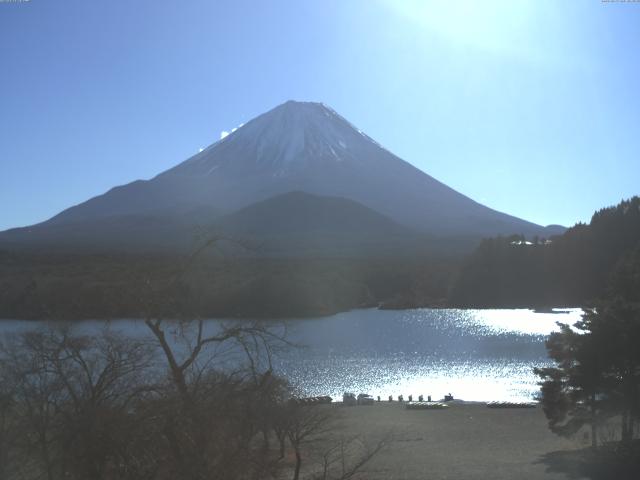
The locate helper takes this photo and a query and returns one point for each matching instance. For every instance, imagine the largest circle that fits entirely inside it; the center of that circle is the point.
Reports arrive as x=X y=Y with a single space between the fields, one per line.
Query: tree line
x=595 y=382
x=45 y=285
x=570 y=269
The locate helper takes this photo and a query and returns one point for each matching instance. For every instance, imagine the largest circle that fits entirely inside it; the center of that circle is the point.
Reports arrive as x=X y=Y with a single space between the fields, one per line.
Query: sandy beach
x=465 y=441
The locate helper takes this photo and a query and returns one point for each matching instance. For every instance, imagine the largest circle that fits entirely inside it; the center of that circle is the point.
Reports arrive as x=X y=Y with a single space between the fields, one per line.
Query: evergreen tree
x=597 y=372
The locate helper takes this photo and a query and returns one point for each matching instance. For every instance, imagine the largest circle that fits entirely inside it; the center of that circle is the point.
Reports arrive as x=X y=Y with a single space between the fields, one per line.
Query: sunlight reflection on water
x=478 y=355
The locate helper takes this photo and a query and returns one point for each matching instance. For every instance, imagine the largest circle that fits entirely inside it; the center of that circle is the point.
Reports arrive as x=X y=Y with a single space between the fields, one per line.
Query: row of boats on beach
x=350 y=399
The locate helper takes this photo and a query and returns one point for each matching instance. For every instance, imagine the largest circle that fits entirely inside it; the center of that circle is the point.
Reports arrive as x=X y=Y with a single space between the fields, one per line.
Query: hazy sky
x=532 y=108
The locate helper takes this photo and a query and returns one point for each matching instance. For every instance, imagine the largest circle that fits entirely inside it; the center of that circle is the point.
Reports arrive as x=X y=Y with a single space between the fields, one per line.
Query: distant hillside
x=291 y=224
x=151 y=232
x=90 y=286
x=298 y=223
x=299 y=212
x=571 y=269
x=566 y=270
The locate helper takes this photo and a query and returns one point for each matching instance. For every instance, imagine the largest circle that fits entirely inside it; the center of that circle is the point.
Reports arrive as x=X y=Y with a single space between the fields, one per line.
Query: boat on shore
x=426 y=406
x=512 y=404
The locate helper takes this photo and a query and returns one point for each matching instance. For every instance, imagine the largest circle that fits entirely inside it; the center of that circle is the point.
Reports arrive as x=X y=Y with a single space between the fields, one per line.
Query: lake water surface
x=477 y=355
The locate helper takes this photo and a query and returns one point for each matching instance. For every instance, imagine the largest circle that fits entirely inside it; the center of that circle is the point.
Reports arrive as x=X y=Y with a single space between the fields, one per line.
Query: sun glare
x=492 y=25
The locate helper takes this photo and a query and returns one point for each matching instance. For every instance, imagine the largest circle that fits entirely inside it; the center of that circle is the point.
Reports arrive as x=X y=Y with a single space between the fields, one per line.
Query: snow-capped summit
x=305 y=147
x=288 y=139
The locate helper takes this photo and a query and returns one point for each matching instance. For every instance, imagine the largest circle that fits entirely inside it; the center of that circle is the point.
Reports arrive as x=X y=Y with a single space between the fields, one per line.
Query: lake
x=477 y=355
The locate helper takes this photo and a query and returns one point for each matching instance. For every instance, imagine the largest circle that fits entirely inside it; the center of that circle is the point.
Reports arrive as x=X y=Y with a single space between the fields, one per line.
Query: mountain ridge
x=300 y=147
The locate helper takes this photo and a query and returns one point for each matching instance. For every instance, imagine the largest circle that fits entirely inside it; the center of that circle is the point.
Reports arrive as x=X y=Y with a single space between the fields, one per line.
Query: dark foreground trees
x=597 y=377
x=596 y=380
x=69 y=402
x=194 y=400
x=189 y=400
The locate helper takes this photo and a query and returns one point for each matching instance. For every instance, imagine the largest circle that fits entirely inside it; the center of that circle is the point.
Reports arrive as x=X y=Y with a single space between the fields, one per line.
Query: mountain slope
x=291 y=223
x=297 y=146
x=299 y=212
x=298 y=222
x=152 y=231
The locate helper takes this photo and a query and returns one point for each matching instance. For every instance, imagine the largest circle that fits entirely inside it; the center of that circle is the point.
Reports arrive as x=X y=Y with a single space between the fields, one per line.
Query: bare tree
x=72 y=398
x=304 y=425
x=313 y=434
x=221 y=390
x=347 y=457
x=198 y=400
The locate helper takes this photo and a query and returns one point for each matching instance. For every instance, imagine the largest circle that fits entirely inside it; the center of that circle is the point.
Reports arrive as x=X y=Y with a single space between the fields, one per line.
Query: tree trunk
x=296 y=473
x=281 y=442
x=177 y=372
x=594 y=433
x=47 y=462
x=626 y=432
x=282 y=449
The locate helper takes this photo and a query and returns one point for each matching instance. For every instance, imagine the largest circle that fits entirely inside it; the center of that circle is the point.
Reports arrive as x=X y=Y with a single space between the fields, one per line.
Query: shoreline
x=559 y=310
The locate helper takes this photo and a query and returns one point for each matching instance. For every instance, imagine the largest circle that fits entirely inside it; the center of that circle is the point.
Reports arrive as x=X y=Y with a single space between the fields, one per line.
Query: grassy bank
x=465 y=441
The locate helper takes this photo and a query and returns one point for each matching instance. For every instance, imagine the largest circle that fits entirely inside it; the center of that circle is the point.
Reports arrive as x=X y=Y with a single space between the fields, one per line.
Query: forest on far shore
x=507 y=272
x=567 y=270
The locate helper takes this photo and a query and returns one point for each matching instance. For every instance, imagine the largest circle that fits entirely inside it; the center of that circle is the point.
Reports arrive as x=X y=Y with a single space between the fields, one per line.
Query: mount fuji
x=300 y=147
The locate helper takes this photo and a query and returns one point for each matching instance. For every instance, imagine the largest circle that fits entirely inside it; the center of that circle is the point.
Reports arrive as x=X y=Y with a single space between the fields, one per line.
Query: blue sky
x=532 y=108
